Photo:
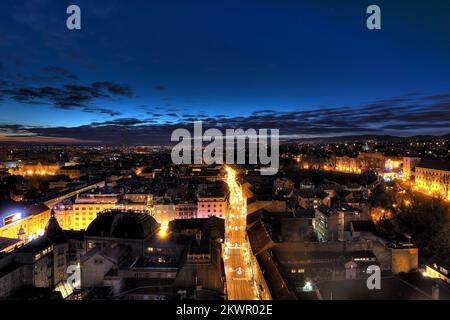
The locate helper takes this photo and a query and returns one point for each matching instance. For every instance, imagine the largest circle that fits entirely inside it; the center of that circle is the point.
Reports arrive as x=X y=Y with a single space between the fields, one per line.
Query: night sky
x=139 y=69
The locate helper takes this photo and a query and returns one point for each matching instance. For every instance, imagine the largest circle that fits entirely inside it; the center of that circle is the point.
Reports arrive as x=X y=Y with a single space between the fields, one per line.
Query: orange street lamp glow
x=163 y=229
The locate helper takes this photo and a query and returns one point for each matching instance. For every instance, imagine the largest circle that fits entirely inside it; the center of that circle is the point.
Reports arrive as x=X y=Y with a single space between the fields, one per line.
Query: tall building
x=326 y=224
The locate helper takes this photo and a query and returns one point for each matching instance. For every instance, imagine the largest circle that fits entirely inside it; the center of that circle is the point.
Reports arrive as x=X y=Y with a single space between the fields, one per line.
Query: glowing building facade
x=35 y=169
x=348 y=164
x=25 y=223
x=78 y=215
x=212 y=205
x=433 y=176
x=368 y=161
x=409 y=164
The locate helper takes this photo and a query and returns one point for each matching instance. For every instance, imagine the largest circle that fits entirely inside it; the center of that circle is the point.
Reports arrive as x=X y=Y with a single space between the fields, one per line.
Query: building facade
x=27 y=222
x=209 y=206
x=409 y=164
x=78 y=215
x=433 y=177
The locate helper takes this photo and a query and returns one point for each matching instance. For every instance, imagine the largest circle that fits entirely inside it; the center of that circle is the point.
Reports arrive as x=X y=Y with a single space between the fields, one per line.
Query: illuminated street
x=238 y=269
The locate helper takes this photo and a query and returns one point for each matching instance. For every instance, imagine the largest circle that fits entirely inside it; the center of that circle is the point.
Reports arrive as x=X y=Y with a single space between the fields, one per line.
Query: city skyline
x=137 y=72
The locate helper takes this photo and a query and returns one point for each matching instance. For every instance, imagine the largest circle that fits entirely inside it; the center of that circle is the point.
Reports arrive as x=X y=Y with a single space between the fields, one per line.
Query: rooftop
x=326 y=210
x=259 y=237
x=120 y=224
x=312 y=193
x=435 y=164
x=408 y=287
x=362 y=225
x=7 y=242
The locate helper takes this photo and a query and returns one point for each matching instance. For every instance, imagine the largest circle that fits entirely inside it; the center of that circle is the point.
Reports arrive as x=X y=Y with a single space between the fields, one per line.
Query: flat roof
x=442 y=165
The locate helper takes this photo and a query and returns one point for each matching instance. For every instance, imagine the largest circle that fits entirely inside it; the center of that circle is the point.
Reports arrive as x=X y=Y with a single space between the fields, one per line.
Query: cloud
x=409 y=115
x=68 y=96
x=58 y=73
x=113 y=88
x=258 y=112
x=160 y=87
x=123 y=122
x=100 y=110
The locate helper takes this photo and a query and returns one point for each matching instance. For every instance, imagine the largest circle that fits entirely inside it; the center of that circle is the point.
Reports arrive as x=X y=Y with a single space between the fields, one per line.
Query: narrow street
x=236 y=255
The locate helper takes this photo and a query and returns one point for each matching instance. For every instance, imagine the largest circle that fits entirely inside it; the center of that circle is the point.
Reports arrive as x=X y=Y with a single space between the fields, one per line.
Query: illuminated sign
x=12 y=218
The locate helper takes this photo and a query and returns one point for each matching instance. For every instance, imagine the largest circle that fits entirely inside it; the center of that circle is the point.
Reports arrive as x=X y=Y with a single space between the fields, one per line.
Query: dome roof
x=53 y=229
x=118 y=224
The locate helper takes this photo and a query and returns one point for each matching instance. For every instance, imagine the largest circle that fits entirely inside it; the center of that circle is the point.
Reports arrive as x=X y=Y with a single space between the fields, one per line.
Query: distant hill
x=381 y=138
x=338 y=139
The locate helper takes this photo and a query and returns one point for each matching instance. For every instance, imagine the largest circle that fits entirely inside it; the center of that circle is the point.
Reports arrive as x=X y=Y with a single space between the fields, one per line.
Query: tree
x=380 y=198
x=426 y=220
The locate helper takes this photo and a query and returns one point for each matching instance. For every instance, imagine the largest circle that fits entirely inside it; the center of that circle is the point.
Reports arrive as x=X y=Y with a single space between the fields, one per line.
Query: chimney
x=198 y=237
x=435 y=291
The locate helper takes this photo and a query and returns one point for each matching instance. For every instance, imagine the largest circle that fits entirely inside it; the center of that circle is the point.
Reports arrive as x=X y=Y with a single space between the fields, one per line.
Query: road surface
x=238 y=268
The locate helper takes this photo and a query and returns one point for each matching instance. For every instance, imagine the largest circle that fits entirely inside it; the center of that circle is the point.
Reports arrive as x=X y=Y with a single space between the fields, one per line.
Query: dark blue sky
x=309 y=68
